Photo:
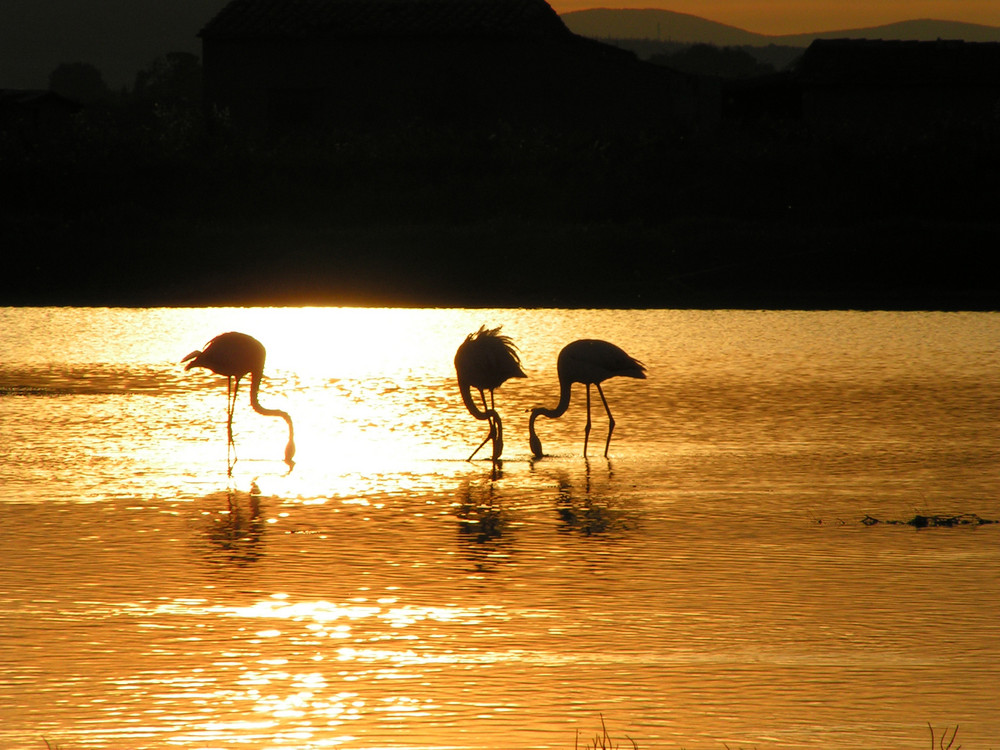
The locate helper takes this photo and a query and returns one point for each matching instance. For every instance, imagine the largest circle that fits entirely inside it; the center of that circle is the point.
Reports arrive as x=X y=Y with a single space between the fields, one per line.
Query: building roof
x=875 y=62
x=302 y=19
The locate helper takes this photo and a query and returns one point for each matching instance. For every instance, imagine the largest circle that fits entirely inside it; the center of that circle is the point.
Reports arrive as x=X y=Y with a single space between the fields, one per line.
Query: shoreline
x=681 y=264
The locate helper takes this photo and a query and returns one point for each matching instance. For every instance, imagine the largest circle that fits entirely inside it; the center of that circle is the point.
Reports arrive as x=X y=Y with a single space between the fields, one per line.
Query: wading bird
x=234 y=355
x=591 y=362
x=484 y=361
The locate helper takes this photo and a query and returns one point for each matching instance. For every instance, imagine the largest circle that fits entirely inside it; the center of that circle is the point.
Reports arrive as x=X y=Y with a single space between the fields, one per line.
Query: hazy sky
x=802 y=16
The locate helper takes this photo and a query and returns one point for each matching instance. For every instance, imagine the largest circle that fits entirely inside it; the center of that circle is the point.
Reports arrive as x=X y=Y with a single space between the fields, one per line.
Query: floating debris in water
x=922 y=522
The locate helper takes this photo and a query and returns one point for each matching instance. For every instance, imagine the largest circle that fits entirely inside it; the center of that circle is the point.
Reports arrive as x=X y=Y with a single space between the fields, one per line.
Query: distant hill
x=924 y=30
x=660 y=25
x=668 y=26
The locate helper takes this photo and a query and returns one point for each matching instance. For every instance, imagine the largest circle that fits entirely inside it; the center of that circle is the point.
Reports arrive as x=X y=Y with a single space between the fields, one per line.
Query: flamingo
x=484 y=361
x=234 y=355
x=591 y=362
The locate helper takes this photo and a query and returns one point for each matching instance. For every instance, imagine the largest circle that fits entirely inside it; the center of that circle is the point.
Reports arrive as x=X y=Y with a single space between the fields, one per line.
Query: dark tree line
x=707 y=59
x=175 y=77
x=139 y=201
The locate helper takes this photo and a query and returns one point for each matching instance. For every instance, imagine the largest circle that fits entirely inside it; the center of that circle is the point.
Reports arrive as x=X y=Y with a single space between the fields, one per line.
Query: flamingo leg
x=497 y=437
x=586 y=430
x=230 y=401
x=493 y=433
x=233 y=389
x=496 y=430
x=488 y=437
x=229 y=425
x=611 y=420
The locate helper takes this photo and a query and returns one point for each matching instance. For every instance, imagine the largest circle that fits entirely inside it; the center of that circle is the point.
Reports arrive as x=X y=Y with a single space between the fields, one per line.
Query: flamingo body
x=236 y=355
x=590 y=362
x=231 y=354
x=484 y=361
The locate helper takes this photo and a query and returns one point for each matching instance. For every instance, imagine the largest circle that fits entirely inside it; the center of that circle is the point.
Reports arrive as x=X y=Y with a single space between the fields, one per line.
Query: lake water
x=710 y=583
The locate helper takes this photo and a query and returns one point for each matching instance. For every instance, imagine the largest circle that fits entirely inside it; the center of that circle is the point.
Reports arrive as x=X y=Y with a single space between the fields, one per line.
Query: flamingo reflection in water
x=591 y=362
x=484 y=361
x=235 y=535
x=235 y=355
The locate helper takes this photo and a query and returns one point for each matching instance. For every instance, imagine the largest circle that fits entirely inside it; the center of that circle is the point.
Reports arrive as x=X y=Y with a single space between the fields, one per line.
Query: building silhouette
x=902 y=87
x=321 y=64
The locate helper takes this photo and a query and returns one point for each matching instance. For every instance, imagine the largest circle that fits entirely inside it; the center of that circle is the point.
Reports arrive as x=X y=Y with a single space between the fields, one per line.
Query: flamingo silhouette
x=484 y=361
x=234 y=355
x=591 y=362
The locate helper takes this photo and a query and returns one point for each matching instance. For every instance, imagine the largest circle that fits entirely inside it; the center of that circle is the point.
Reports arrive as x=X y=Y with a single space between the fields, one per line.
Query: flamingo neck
x=470 y=403
x=565 y=389
x=255 y=378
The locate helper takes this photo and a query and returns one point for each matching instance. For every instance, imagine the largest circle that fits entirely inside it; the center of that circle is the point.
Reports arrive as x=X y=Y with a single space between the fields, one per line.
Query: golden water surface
x=709 y=583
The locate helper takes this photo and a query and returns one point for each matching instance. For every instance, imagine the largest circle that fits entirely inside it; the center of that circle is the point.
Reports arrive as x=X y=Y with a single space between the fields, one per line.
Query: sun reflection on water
x=358 y=642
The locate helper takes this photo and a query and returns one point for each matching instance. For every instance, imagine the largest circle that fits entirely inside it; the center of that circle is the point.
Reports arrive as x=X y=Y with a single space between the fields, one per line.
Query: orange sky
x=801 y=16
